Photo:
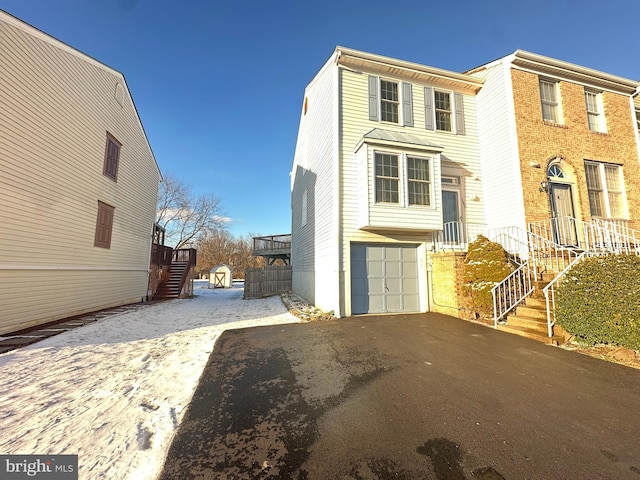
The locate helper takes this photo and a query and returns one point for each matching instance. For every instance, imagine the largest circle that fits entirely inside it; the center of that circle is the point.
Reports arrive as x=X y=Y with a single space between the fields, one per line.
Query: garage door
x=384 y=278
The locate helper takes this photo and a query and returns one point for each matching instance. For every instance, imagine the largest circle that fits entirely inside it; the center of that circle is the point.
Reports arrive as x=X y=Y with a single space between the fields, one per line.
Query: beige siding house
x=386 y=170
x=78 y=183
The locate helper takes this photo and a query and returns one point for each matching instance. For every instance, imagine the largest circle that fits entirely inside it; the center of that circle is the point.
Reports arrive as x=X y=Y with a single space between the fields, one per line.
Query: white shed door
x=384 y=278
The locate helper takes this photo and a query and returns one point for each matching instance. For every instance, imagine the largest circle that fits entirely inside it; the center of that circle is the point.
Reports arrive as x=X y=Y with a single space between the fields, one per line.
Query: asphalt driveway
x=421 y=396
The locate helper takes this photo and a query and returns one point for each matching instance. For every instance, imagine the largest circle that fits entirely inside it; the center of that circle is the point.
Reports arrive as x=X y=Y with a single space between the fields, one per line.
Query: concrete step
x=525 y=332
x=536 y=302
x=533 y=324
x=531 y=312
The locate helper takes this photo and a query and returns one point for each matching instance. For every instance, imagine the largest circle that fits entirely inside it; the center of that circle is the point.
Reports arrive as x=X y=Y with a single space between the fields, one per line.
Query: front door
x=563 y=218
x=450 y=217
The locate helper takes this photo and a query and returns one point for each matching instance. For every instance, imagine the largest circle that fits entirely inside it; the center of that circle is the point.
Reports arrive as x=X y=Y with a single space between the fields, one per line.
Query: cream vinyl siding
x=462 y=149
x=314 y=255
x=501 y=175
x=60 y=104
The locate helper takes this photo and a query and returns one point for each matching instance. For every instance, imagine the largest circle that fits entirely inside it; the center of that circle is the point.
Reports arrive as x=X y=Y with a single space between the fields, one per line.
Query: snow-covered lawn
x=113 y=392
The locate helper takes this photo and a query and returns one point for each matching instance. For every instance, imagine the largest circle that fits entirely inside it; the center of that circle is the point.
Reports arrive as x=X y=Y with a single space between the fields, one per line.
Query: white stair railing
x=510 y=292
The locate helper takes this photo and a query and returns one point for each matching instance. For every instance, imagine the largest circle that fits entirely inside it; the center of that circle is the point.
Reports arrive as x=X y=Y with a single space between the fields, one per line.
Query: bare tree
x=218 y=247
x=185 y=216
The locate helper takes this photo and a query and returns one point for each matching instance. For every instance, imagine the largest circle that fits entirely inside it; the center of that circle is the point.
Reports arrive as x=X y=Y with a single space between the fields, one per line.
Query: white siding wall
x=501 y=177
x=314 y=255
x=57 y=106
x=462 y=149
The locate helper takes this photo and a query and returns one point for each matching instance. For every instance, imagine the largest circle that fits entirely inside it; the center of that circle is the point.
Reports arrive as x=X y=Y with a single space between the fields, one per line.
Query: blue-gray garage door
x=384 y=278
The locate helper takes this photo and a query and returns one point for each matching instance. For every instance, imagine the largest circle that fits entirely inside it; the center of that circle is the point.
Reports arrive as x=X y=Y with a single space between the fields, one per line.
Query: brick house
x=558 y=141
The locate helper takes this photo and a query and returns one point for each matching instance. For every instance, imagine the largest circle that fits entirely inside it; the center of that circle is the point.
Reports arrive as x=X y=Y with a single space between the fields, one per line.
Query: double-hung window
x=604 y=186
x=549 y=99
x=442 y=101
x=387 y=178
x=402 y=179
x=389 y=101
x=418 y=181
x=595 y=118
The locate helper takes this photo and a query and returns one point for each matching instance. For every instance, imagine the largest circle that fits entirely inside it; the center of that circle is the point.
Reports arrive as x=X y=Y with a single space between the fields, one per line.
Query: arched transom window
x=554 y=171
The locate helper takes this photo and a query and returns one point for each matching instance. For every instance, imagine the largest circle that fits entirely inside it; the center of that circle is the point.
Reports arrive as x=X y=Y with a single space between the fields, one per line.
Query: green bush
x=485 y=265
x=599 y=301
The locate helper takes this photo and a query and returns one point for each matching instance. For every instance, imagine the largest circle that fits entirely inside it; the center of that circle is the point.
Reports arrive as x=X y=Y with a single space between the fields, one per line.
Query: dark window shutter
x=459 y=106
x=373 y=99
x=104 y=225
x=407 y=104
x=428 y=108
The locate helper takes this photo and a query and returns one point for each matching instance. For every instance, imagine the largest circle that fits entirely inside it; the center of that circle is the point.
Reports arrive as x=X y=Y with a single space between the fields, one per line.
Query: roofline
x=27 y=27
x=524 y=56
x=470 y=82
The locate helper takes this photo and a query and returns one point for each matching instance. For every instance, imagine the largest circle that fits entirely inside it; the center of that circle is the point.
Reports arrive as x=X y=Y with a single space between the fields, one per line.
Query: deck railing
x=272 y=244
x=161 y=255
x=457 y=235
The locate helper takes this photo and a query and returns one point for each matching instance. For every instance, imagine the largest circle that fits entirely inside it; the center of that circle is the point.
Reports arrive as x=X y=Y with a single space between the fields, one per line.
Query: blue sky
x=219 y=84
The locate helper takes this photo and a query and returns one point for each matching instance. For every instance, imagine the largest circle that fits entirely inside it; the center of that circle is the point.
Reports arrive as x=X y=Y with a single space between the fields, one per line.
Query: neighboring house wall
x=571 y=140
x=314 y=194
x=501 y=177
x=59 y=106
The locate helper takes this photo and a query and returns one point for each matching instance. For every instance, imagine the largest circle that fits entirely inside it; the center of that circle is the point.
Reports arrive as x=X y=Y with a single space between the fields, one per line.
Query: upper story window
x=549 y=99
x=595 y=116
x=389 y=101
x=443 y=110
x=111 y=157
x=387 y=178
x=604 y=184
x=638 y=119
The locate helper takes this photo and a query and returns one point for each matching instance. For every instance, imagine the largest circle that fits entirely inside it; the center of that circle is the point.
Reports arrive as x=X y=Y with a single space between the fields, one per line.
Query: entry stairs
x=524 y=302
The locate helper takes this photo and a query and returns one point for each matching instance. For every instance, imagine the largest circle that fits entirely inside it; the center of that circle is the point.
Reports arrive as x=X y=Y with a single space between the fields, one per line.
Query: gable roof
x=9 y=19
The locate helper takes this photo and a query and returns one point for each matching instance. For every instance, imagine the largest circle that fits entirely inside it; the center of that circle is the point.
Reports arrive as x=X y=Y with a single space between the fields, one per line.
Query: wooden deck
x=273 y=247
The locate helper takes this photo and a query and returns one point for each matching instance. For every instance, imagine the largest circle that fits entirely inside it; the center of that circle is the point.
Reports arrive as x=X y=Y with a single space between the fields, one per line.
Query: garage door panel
x=384 y=278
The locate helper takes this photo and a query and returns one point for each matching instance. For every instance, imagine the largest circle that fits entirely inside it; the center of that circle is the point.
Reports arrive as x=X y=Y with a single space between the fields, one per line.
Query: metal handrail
x=511 y=291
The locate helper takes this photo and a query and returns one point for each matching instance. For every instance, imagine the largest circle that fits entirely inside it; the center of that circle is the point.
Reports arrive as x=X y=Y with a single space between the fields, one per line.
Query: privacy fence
x=266 y=281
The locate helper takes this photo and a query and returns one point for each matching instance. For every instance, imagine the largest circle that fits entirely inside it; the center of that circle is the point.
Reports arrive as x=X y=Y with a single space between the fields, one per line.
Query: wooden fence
x=266 y=281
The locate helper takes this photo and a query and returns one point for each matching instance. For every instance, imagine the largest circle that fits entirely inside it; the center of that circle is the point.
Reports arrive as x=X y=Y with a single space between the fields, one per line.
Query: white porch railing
x=511 y=291
x=457 y=235
x=557 y=244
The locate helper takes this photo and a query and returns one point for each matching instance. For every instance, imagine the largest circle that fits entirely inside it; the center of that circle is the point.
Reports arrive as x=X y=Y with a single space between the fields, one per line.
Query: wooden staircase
x=530 y=320
x=172 y=287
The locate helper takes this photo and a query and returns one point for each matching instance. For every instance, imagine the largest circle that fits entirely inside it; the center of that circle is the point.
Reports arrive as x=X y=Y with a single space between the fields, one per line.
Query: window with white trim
x=387 y=178
x=595 y=115
x=389 y=101
x=605 y=189
x=402 y=179
x=418 y=181
x=549 y=98
x=442 y=102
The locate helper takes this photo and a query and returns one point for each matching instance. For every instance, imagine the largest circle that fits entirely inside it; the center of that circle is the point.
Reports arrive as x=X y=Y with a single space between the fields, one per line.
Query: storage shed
x=221 y=276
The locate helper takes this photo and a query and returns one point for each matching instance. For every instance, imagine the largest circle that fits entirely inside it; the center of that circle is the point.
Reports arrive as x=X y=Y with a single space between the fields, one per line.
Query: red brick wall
x=539 y=142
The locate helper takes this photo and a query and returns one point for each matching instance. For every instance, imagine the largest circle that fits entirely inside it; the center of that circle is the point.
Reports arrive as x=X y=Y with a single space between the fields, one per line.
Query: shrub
x=599 y=301
x=485 y=265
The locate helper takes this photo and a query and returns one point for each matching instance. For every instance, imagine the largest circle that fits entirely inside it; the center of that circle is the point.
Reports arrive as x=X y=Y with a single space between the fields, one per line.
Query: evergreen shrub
x=486 y=264
x=599 y=301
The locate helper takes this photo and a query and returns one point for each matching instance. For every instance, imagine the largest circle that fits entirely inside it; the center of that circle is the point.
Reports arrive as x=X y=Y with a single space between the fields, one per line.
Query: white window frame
x=403 y=179
x=595 y=111
x=605 y=190
x=428 y=182
x=397 y=102
x=551 y=103
x=450 y=112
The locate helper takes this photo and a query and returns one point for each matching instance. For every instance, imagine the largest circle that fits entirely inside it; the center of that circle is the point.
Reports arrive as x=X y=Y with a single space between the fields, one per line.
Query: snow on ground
x=114 y=391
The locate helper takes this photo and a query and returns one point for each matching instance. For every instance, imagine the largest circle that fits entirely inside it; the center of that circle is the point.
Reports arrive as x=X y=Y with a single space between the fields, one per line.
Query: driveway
x=421 y=396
